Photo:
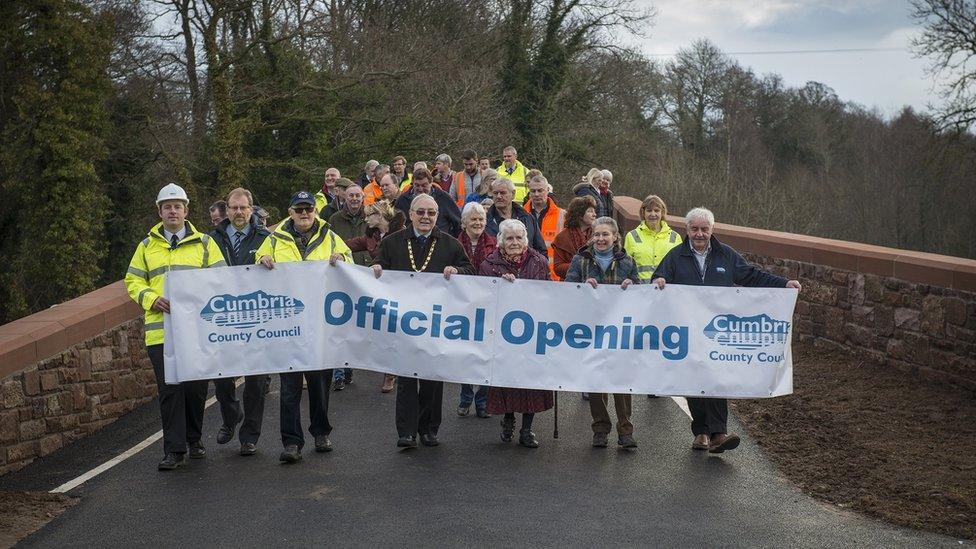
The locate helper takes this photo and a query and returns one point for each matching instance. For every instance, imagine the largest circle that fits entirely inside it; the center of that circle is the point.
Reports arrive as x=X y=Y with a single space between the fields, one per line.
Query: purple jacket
x=535 y=267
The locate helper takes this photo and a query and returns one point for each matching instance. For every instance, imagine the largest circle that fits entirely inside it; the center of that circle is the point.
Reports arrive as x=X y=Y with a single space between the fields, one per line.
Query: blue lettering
x=675 y=339
x=457 y=327
x=527 y=327
x=550 y=335
x=578 y=336
x=345 y=313
x=407 y=318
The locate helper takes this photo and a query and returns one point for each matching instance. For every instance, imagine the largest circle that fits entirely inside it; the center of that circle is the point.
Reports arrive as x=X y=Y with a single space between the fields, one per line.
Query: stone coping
x=42 y=335
x=919 y=267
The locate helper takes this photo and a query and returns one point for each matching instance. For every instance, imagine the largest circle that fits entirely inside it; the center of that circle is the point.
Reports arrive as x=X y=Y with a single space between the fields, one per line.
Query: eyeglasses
x=305 y=210
x=427 y=213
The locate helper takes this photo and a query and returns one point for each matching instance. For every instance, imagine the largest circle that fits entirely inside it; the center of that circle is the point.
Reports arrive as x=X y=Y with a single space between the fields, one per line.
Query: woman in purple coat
x=515 y=259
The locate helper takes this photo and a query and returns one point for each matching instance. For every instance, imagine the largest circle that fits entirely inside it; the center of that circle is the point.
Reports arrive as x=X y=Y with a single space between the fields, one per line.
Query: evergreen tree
x=54 y=119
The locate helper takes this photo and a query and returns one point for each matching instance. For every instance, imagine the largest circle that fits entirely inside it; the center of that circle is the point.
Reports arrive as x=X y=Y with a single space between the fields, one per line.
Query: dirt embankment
x=874 y=439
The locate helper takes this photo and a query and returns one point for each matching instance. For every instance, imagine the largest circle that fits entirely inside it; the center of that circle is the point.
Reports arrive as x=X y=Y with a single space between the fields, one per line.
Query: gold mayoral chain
x=430 y=254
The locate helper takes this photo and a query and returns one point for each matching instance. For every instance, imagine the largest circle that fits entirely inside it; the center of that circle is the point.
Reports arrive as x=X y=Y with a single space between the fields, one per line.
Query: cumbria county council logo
x=247 y=311
x=750 y=332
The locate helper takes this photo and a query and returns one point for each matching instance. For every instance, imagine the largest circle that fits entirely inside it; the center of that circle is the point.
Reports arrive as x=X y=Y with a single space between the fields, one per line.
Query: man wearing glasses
x=303 y=237
x=239 y=237
x=421 y=247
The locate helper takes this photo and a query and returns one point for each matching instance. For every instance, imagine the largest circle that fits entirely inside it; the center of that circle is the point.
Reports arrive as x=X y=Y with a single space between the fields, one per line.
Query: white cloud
x=887 y=80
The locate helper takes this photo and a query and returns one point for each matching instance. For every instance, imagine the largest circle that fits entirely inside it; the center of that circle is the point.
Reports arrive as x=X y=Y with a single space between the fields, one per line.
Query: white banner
x=684 y=340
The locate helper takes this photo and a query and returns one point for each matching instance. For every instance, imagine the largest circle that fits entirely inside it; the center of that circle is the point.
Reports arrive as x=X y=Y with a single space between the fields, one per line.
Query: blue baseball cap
x=301 y=197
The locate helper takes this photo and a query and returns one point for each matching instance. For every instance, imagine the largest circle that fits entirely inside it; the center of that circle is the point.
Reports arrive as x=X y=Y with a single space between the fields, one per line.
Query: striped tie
x=238 y=237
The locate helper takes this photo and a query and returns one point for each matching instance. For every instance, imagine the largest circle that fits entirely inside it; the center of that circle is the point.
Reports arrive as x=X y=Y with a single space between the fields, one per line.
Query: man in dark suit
x=422 y=247
x=449 y=216
x=239 y=236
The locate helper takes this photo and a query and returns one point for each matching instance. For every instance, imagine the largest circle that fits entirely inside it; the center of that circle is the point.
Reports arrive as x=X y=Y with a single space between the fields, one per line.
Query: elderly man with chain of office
x=422 y=247
x=172 y=244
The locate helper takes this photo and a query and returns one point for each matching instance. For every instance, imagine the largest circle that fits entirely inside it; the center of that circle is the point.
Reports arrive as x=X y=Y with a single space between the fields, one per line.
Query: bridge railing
x=76 y=367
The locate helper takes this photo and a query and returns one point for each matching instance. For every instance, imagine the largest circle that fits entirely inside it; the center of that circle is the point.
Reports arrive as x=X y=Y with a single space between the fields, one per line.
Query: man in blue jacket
x=704 y=261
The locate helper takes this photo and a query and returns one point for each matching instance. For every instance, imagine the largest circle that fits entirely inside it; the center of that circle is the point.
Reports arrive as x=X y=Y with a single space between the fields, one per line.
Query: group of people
x=498 y=222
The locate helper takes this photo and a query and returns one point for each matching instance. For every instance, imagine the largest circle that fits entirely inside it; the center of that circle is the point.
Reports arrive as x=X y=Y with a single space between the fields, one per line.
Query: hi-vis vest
x=518 y=177
x=405 y=184
x=552 y=224
x=153 y=258
x=321 y=245
x=649 y=248
x=321 y=201
x=457 y=188
x=372 y=193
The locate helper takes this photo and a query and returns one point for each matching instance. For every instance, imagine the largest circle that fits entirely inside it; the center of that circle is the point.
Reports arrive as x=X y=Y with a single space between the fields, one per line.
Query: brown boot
x=388 y=381
x=701 y=443
x=722 y=442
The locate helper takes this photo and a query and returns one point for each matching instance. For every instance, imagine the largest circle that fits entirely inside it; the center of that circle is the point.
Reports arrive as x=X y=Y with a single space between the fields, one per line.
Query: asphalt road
x=473 y=490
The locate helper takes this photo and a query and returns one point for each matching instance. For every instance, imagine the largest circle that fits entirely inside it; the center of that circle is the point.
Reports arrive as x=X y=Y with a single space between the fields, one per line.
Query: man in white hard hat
x=173 y=243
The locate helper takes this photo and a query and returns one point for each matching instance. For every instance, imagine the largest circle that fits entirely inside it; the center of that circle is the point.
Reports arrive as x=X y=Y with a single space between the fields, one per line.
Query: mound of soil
x=23 y=513
x=875 y=439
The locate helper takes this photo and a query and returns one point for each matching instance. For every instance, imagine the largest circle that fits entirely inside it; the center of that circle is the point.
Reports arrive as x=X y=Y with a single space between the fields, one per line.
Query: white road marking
x=683 y=404
x=78 y=481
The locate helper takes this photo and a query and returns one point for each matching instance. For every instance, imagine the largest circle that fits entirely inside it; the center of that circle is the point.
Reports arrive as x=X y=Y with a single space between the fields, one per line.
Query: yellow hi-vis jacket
x=518 y=177
x=649 y=248
x=154 y=257
x=321 y=245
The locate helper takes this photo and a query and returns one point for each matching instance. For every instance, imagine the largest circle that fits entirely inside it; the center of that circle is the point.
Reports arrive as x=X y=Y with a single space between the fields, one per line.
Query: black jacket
x=250 y=244
x=723 y=267
x=604 y=203
x=531 y=227
x=448 y=214
x=392 y=253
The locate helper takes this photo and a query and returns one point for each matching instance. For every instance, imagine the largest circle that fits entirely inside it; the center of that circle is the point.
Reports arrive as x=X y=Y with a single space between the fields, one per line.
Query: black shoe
x=291 y=454
x=225 y=434
x=248 y=449
x=323 y=444
x=197 y=451
x=171 y=461
x=508 y=430
x=482 y=413
x=338 y=385
x=429 y=439
x=408 y=441
x=600 y=440
x=527 y=439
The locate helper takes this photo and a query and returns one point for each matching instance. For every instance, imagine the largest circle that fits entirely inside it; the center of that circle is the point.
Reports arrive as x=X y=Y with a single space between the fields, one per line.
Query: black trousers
x=418 y=406
x=180 y=406
x=709 y=416
x=319 y=382
x=253 y=412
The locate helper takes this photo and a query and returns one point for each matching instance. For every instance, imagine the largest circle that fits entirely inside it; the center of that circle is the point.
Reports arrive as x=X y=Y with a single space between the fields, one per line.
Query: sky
x=886 y=80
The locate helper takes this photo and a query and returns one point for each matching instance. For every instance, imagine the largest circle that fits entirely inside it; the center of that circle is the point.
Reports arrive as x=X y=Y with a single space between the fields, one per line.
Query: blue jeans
x=480 y=398
x=344 y=374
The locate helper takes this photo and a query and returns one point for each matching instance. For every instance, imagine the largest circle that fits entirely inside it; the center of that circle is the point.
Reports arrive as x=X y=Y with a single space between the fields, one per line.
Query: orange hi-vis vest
x=458 y=186
x=372 y=193
x=552 y=224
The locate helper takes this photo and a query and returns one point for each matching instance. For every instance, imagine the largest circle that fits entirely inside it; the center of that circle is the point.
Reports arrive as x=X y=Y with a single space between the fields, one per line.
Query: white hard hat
x=172 y=192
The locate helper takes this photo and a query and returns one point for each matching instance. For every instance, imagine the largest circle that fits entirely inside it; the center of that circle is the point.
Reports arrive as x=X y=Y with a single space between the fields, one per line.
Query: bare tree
x=949 y=38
